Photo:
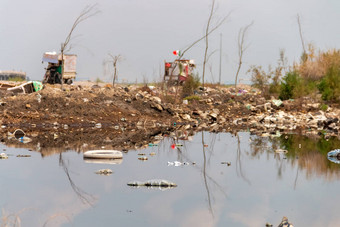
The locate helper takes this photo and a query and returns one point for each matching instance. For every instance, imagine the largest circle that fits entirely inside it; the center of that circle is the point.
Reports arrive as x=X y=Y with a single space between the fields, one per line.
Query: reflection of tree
x=238 y=160
x=309 y=154
x=82 y=195
x=205 y=176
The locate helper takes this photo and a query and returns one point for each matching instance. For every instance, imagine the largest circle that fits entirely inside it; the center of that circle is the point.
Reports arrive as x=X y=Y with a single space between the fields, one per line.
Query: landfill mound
x=88 y=115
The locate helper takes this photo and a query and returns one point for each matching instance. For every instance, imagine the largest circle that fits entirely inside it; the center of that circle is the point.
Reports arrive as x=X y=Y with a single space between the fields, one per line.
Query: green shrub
x=323 y=107
x=329 y=85
x=288 y=84
x=190 y=85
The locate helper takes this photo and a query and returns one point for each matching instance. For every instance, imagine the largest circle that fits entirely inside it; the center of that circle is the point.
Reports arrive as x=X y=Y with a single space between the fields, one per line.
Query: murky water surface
x=259 y=186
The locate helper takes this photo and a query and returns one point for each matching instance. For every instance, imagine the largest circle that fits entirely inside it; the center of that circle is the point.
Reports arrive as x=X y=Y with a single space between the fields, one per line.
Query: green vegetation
x=192 y=97
x=330 y=84
x=317 y=73
x=323 y=107
x=190 y=85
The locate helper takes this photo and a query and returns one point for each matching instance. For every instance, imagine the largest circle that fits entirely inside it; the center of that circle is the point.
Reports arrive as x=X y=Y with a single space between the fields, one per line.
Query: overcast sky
x=145 y=32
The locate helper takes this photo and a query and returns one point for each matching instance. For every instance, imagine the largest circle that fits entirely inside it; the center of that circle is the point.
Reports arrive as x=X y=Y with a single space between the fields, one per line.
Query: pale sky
x=145 y=32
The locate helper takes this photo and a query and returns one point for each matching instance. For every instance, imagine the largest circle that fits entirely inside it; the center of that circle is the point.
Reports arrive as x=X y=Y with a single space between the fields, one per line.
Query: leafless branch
x=241 y=48
x=203 y=37
x=300 y=32
x=206 y=39
x=88 y=11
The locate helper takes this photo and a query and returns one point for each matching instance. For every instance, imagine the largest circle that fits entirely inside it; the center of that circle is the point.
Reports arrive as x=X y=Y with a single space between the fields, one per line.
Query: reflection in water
x=205 y=175
x=238 y=160
x=117 y=161
x=309 y=154
x=262 y=187
x=82 y=195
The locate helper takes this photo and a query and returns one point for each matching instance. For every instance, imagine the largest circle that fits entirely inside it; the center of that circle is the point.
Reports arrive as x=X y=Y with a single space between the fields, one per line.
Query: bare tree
x=86 y=13
x=304 y=54
x=114 y=60
x=241 y=48
x=206 y=39
x=210 y=66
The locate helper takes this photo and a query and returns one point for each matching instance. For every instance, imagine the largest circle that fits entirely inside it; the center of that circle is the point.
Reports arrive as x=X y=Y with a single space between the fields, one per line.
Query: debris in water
x=3 y=156
x=177 y=163
x=25 y=139
x=143 y=158
x=281 y=151
x=285 y=223
x=155 y=183
x=226 y=163
x=23 y=155
x=102 y=154
x=104 y=171
x=334 y=156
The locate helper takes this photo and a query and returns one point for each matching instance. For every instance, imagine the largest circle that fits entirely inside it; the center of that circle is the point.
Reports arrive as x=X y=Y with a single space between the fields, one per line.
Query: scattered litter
x=24 y=139
x=277 y=102
x=277 y=134
x=23 y=155
x=3 y=156
x=152 y=153
x=18 y=133
x=141 y=154
x=104 y=171
x=25 y=88
x=143 y=158
x=38 y=98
